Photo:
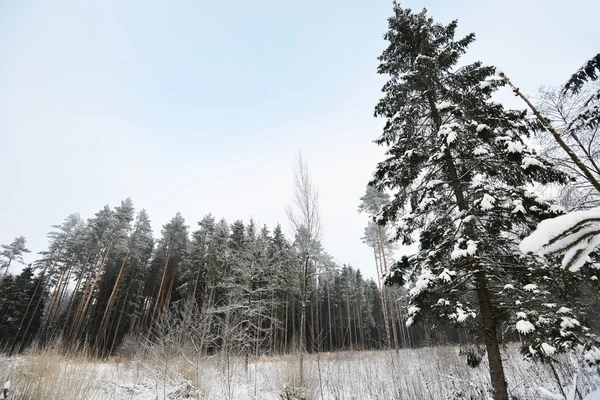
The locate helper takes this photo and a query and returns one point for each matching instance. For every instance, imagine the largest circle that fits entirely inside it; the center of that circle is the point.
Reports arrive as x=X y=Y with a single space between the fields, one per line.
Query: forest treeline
x=103 y=279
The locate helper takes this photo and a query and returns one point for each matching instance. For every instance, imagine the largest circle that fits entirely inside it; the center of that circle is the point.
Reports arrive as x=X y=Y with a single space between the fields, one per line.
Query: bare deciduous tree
x=305 y=217
x=561 y=109
x=573 y=130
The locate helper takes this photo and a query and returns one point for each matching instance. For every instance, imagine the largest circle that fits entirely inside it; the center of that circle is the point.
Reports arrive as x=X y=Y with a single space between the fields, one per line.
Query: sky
x=199 y=107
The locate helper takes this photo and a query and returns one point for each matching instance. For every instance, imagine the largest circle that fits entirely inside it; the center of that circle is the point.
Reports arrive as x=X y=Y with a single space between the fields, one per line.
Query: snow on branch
x=576 y=234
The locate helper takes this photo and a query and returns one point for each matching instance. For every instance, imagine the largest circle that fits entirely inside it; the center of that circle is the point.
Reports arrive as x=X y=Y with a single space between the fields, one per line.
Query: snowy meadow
x=480 y=222
x=426 y=373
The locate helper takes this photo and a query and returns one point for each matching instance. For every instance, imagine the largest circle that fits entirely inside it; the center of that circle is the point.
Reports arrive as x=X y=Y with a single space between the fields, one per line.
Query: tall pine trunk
x=388 y=336
x=162 y=281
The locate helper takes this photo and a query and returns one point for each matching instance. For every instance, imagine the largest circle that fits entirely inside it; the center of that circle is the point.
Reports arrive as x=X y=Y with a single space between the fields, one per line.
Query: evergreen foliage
x=107 y=278
x=460 y=174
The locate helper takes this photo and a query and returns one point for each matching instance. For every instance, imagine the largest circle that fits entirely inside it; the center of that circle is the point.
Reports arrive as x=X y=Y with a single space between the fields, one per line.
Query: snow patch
x=568 y=323
x=518 y=207
x=575 y=229
x=481 y=127
x=531 y=162
x=444 y=105
x=592 y=356
x=487 y=202
x=461 y=315
x=547 y=349
x=530 y=288
x=480 y=151
x=469 y=251
x=549 y=395
x=524 y=327
x=514 y=147
x=446 y=275
x=451 y=137
x=422 y=282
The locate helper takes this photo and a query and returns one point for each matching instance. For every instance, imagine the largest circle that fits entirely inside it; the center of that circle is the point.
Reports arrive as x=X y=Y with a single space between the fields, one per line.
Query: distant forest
x=107 y=278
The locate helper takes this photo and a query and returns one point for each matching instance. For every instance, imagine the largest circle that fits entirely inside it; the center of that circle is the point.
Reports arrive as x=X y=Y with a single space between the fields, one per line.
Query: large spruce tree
x=459 y=172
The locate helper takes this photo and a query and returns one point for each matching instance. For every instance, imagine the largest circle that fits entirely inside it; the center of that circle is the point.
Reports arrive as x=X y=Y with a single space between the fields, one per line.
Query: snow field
x=427 y=373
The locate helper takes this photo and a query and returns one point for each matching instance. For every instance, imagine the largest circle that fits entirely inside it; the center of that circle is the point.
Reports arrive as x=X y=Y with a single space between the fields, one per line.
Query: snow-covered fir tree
x=461 y=178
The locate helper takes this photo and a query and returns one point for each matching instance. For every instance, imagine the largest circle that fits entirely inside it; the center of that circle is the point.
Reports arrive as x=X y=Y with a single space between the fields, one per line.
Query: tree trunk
x=198 y=274
x=303 y=306
x=303 y=320
x=116 y=331
x=388 y=336
x=384 y=270
x=88 y=301
x=104 y=331
x=55 y=324
x=78 y=309
x=483 y=294
x=162 y=280
x=329 y=315
x=401 y=324
x=349 y=320
x=491 y=337
x=69 y=317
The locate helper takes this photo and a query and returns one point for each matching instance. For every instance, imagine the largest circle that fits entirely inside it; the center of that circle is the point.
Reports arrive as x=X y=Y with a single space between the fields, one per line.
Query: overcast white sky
x=198 y=106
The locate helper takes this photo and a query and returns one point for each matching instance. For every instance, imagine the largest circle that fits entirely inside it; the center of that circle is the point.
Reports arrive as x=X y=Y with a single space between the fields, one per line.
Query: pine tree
x=107 y=275
x=164 y=273
x=126 y=289
x=12 y=252
x=376 y=237
x=107 y=243
x=459 y=172
x=195 y=265
x=65 y=254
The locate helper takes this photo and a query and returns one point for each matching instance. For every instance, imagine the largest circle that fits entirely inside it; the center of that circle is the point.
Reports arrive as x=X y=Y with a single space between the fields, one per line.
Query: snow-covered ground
x=428 y=373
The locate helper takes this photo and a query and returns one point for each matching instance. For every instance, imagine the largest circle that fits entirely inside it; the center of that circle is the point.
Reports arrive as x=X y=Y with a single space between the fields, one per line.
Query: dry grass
x=46 y=375
x=428 y=373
